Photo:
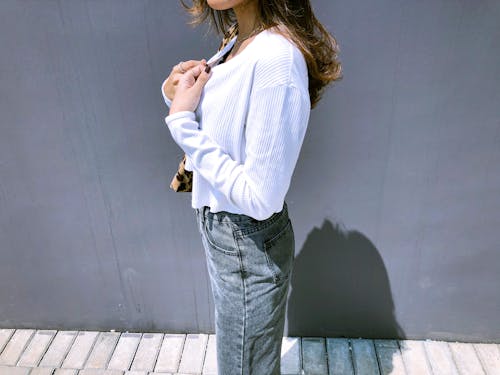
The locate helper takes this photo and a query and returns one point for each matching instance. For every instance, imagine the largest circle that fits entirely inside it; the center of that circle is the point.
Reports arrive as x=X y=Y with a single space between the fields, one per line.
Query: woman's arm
x=275 y=130
x=168 y=102
x=169 y=86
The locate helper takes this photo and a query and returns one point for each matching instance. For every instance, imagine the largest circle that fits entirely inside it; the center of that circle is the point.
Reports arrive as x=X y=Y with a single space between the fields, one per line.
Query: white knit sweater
x=243 y=141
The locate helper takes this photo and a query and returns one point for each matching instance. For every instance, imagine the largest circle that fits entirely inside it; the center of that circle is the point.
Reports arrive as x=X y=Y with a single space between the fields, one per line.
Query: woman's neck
x=247 y=16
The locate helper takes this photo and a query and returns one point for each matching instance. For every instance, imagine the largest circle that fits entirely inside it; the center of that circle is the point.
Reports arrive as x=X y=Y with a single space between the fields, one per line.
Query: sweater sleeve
x=275 y=129
x=168 y=102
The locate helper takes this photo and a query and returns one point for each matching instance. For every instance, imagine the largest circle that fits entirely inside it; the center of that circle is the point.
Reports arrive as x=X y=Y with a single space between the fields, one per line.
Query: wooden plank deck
x=49 y=352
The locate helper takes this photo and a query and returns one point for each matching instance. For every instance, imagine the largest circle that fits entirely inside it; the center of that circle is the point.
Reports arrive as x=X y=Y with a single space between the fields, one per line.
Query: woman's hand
x=189 y=88
x=170 y=84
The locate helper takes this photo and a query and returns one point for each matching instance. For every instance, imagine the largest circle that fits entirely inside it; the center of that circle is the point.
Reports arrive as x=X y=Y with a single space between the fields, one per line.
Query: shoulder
x=279 y=62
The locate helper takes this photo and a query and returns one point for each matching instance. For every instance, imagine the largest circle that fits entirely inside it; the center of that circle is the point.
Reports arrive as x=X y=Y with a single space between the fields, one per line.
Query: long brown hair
x=293 y=19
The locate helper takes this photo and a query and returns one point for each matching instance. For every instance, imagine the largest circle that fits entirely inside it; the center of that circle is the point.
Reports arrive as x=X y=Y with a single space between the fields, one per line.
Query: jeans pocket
x=280 y=252
x=220 y=236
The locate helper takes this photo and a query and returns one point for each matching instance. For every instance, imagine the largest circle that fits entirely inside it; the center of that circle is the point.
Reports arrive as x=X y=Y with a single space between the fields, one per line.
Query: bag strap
x=230 y=34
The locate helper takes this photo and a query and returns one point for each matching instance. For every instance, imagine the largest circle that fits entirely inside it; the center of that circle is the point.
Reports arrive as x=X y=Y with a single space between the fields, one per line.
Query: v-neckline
x=224 y=62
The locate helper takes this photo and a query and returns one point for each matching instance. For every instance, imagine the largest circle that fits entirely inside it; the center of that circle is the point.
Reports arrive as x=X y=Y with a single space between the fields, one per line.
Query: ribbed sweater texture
x=243 y=141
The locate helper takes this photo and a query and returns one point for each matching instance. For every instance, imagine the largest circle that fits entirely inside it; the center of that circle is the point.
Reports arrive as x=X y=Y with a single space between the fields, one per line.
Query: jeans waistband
x=225 y=216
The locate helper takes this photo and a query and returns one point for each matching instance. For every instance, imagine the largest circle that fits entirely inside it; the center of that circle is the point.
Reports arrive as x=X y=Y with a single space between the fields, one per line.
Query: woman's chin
x=226 y=4
x=219 y=4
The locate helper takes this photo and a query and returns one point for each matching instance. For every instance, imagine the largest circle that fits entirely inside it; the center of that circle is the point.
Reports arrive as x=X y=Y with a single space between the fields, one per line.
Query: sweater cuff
x=181 y=116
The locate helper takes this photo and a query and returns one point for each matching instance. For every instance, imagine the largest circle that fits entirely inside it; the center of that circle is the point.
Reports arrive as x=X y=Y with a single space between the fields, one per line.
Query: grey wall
x=395 y=199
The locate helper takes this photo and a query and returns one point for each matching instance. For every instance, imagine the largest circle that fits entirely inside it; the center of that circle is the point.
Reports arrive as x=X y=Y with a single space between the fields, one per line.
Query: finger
x=175 y=79
x=193 y=73
x=191 y=64
x=176 y=69
x=197 y=70
x=186 y=65
x=187 y=79
x=203 y=78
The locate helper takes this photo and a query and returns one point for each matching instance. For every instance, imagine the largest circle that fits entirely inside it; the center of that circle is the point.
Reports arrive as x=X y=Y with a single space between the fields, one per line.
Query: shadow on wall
x=340 y=288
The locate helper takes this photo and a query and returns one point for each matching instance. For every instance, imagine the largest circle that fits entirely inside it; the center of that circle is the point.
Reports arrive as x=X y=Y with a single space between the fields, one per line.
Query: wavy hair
x=295 y=20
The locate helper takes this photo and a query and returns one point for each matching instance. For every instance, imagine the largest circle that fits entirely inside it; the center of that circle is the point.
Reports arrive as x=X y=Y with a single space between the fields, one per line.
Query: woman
x=241 y=124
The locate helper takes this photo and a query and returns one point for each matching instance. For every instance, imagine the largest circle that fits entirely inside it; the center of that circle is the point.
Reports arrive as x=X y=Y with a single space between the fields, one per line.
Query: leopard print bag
x=183 y=179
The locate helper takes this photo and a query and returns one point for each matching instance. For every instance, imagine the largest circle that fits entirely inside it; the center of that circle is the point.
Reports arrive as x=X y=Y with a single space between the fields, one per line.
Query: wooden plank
x=170 y=353
x=314 y=358
x=193 y=353
x=42 y=371
x=80 y=350
x=11 y=370
x=210 y=364
x=339 y=356
x=102 y=350
x=5 y=335
x=489 y=355
x=414 y=357
x=364 y=357
x=440 y=357
x=146 y=354
x=65 y=371
x=35 y=349
x=14 y=348
x=124 y=352
x=93 y=371
x=389 y=357
x=466 y=358
x=58 y=348
x=290 y=356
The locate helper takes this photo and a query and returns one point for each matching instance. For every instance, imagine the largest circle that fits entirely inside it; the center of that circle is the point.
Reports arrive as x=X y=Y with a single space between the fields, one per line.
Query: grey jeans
x=249 y=263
